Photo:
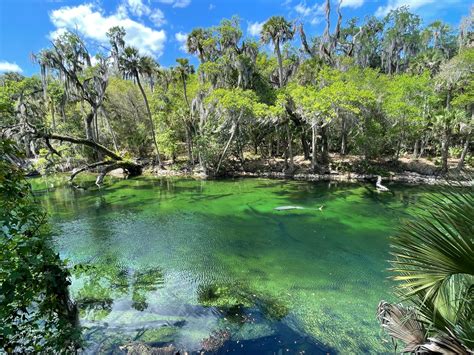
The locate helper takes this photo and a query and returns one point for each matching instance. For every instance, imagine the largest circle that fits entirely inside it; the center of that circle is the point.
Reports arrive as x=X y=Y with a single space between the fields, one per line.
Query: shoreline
x=411 y=178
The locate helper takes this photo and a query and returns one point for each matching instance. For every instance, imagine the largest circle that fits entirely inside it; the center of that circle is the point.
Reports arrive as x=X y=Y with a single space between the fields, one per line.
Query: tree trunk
x=314 y=133
x=53 y=117
x=343 y=135
x=280 y=63
x=290 y=146
x=152 y=125
x=416 y=148
x=324 y=145
x=189 y=145
x=304 y=144
x=446 y=137
x=224 y=152
x=88 y=120
x=111 y=131
x=464 y=152
x=445 y=150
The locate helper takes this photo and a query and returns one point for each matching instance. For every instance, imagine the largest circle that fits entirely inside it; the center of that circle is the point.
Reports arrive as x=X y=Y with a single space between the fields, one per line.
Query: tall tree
x=133 y=65
x=278 y=31
x=183 y=71
x=70 y=58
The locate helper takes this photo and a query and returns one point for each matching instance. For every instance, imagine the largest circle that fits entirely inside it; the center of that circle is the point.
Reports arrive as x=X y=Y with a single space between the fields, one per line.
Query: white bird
x=379 y=186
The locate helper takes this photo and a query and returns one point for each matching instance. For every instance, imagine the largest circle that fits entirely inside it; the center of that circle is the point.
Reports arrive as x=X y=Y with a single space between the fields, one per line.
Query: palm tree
x=434 y=265
x=278 y=31
x=133 y=65
x=195 y=43
x=183 y=70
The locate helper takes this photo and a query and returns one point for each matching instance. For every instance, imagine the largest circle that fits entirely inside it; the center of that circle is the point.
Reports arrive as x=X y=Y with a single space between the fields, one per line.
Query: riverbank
x=344 y=169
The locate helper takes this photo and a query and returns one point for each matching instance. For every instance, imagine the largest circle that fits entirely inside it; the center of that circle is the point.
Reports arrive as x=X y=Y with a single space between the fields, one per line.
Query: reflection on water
x=212 y=265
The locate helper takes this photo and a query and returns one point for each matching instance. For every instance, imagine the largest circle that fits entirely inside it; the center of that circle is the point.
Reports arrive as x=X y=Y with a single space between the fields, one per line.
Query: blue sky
x=159 y=27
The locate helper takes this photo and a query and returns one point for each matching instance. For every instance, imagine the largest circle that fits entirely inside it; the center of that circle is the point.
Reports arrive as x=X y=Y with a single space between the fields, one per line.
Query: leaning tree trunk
x=115 y=161
x=233 y=129
x=150 y=117
x=464 y=153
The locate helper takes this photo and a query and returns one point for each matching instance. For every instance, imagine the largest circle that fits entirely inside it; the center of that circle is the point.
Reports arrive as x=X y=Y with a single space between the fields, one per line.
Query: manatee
x=288 y=208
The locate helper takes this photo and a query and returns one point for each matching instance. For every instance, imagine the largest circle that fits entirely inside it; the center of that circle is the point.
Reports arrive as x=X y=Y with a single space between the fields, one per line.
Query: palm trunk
x=280 y=63
x=464 y=152
x=152 y=125
x=445 y=150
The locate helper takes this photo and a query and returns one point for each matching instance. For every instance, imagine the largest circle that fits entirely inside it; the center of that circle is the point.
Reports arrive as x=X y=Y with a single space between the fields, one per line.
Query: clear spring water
x=177 y=261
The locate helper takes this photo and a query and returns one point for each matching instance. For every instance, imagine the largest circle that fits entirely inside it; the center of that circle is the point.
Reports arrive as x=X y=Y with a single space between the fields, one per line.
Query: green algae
x=199 y=256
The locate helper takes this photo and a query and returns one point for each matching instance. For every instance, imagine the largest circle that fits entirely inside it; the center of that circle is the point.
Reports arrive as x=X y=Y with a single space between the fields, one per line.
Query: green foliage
x=434 y=264
x=35 y=309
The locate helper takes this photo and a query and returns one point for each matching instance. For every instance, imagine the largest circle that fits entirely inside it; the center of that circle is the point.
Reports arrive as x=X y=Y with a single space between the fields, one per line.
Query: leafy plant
x=36 y=311
x=434 y=266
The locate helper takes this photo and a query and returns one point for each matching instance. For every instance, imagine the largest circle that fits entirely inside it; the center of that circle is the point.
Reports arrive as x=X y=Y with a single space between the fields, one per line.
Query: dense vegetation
x=378 y=88
x=36 y=312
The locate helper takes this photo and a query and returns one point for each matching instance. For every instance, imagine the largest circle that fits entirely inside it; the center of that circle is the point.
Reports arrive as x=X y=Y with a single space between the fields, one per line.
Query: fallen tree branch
x=83 y=141
x=130 y=168
x=76 y=172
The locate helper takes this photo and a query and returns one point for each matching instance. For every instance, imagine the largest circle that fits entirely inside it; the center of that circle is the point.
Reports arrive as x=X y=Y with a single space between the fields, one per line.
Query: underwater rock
x=143 y=349
x=215 y=341
x=288 y=208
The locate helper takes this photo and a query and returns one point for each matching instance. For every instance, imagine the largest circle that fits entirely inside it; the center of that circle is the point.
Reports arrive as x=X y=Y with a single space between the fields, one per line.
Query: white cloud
x=138 y=8
x=255 y=28
x=93 y=24
x=312 y=13
x=394 y=4
x=212 y=7
x=9 y=67
x=176 y=3
x=182 y=39
x=157 y=17
x=352 y=3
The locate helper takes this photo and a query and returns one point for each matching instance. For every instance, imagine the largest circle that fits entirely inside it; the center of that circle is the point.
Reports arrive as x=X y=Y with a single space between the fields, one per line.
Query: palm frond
x=434 y=265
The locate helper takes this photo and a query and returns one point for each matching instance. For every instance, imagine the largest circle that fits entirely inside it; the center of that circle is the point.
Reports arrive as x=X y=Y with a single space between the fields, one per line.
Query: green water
x=174 y=261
